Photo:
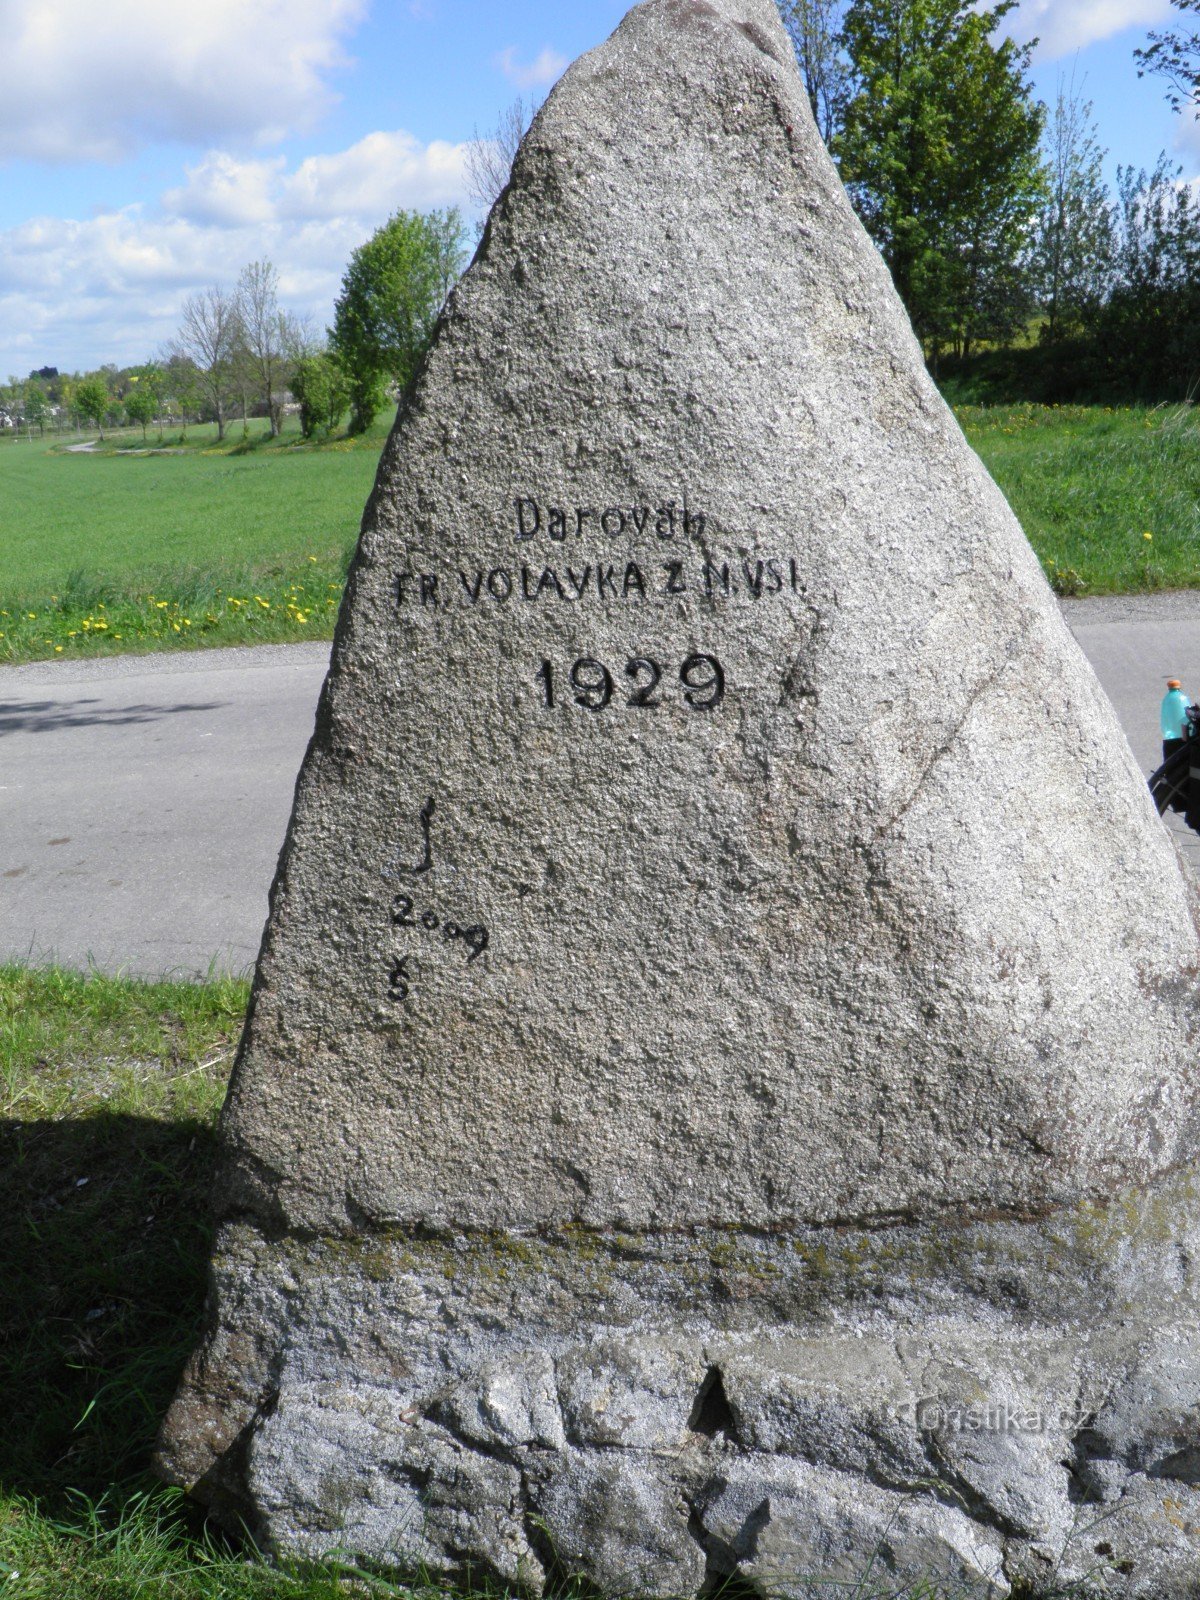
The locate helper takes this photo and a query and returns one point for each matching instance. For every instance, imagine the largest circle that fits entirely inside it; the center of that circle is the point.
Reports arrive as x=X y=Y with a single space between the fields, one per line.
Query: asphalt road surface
x=143 y=799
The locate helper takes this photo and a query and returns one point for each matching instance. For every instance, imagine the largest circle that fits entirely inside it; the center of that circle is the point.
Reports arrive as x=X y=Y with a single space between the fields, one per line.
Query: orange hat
x=1173 y=683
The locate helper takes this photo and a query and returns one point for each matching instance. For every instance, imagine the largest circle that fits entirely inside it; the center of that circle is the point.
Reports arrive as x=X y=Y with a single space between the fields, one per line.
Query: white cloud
x=367 y=178
x=539 y=74
x=79 y=292
x=85 y=81
x=1064 y=26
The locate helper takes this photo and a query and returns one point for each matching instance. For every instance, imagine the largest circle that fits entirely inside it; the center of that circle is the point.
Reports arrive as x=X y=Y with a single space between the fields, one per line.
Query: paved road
x=143 y=799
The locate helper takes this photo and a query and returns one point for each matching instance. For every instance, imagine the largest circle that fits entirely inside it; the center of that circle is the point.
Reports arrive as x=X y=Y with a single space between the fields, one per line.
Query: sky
x=147 y=151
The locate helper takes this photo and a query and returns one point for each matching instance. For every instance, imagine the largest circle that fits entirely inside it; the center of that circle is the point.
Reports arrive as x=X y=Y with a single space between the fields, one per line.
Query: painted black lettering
x=693 y=523
x=472 y=588
x=634 y=580
x=525 y=583
x=402 y=911
x=606 y=579
x=398 y=979
x=634 y=669
x=558 y=523
x=675 y=581
x=640 y=516
x=619 y=515
x=711 y=572
x=797 y=586
x=500 y=585
x=549 y=580
x=582 y=514
x=429 y=586
x=579 y=584
x=529 y=517
x=776 y=577
x=665 y=525
x=754 y=579
x=401 y=579
x=703 y=681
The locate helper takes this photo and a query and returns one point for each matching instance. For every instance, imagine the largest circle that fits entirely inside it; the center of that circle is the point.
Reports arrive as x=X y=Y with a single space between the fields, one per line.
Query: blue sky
x=147 y=151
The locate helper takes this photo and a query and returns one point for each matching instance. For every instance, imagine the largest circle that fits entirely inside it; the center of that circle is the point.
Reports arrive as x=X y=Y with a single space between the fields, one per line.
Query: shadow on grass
x=104 y=1237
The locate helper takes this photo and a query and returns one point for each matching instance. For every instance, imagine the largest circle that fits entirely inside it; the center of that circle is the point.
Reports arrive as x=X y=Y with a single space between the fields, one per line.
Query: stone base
x=656 y=1415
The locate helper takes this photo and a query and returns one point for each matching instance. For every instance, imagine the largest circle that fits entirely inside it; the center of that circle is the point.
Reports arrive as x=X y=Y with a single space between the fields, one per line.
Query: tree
x=814 y=27
x=939 y=150
x=141 y=405
x=208 y=338
x=1175 y=56
x=490 y=157
x=1074 y=236
x=266 y=336
x=92 y=400
x=391 y=294
x=320 y=384
x=1148 y=332
x=37 y=405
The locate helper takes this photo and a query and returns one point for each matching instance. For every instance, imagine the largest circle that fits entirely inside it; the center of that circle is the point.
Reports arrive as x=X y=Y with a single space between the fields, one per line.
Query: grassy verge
x=111 y=1091
x=1108 y=497
x=126 y=548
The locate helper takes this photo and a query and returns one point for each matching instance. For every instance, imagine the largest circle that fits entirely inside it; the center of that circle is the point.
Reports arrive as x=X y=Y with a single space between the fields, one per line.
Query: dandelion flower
x=1147 y=536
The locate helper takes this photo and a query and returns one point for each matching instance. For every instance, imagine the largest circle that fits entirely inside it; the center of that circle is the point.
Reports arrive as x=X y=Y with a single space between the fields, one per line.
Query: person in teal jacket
x=1173 y=717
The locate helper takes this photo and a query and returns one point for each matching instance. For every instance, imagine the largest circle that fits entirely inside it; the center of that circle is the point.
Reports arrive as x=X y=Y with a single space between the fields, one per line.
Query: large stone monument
x=720 y=1093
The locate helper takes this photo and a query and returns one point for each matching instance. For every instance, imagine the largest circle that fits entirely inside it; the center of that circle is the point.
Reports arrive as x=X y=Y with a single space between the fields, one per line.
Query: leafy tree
x=1175 y=56
x=141 y=405
x=37 y=406
x=208 y=338
x=392 y=291
x=1073 y=243
x=320 y=384
x=814 y=27
x=939 y=150
x=92 y=401
x=1148 y=332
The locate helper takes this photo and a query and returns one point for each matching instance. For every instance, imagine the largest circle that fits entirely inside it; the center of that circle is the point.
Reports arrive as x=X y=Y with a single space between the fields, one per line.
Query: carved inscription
x=633 y=582
x=590 y=683
x=425 y=920
x=561 y=523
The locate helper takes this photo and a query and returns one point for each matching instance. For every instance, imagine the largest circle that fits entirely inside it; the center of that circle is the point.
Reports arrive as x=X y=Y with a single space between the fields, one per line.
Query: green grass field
x=1109 y=498
x=248 y=542
x=120 y=549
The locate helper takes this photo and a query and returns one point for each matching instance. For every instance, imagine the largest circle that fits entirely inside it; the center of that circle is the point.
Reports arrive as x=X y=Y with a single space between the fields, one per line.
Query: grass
x=1108 y=497
x=126 y=549
x=111 y=1091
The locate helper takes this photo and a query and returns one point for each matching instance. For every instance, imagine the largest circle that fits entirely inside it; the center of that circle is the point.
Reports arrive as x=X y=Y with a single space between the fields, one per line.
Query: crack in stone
x=987 y=683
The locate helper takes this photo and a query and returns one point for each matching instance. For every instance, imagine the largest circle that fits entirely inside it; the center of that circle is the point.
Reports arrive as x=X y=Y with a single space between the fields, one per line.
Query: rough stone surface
x=719 y=1095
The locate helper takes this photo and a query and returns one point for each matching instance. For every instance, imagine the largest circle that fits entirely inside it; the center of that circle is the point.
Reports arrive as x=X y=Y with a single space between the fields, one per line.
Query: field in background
x=126 y=549
x=248 y=542
x=1108 y=497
